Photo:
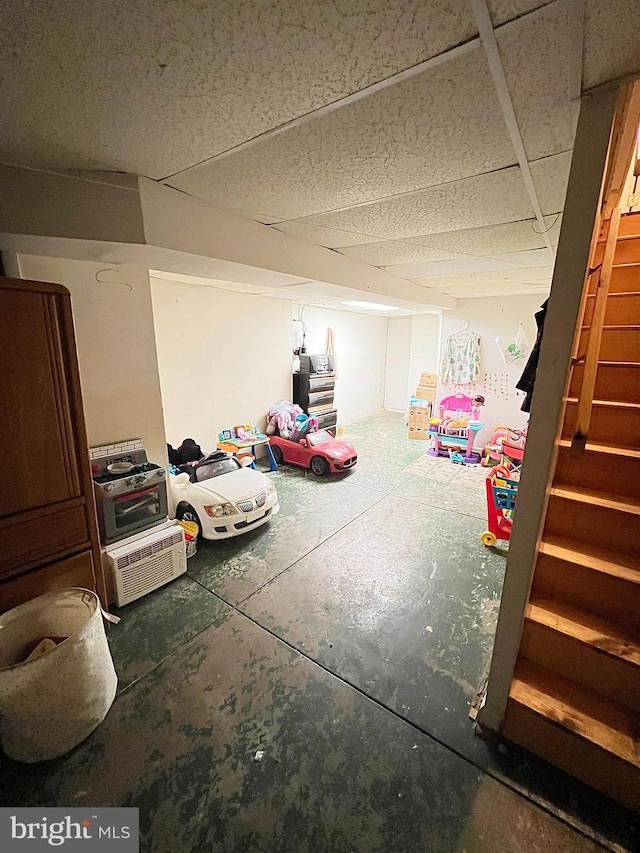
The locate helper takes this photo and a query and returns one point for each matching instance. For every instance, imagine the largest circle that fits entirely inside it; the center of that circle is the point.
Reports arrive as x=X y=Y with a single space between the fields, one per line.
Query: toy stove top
x=143 y=473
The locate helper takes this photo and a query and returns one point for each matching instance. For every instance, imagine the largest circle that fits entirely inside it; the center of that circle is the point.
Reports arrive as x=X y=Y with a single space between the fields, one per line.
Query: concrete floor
x=346 y=638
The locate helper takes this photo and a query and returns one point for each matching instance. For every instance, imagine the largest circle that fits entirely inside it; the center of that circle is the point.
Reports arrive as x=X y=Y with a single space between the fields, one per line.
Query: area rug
x=445 y=471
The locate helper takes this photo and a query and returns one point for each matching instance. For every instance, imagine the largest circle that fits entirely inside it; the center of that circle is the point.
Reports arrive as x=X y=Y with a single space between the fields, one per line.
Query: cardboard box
x=428 y=380
x=418 y=418
x=424 y=392
x=418 y=431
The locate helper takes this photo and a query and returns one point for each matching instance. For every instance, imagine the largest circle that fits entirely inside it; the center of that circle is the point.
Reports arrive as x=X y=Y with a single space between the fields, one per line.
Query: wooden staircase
x=575 y=696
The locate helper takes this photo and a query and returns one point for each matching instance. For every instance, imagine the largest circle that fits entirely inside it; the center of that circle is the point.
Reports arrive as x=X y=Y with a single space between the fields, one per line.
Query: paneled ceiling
x=429 y=137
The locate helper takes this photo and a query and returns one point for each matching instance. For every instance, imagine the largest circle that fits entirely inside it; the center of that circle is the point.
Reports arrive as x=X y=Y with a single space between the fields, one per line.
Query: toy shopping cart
x=502 y=490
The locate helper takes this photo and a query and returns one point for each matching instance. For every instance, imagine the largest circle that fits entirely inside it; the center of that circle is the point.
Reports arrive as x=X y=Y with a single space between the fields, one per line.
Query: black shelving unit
x=314 y=389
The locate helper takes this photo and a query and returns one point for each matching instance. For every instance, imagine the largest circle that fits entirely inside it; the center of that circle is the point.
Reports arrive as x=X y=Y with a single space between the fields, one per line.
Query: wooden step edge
x=616 y=565
x=604 y=447
x=599 y=721
x=616 y=327
x=610 y=404
x=590 y=630
x=617 y=294
x=596 y=498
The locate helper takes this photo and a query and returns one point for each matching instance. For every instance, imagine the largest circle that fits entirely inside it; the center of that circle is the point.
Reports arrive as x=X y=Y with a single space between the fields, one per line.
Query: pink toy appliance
x=456 y=425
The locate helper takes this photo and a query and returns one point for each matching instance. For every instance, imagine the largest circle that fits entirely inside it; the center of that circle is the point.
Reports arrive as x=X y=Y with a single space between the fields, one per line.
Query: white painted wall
x=490 y=317
x=361 y=342
x=425 y=341
x=116 y=348
x=224 y=358
x=396 y=375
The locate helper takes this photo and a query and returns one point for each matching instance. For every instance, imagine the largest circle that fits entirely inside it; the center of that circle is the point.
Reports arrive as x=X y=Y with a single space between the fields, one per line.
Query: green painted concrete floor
x=346 y=639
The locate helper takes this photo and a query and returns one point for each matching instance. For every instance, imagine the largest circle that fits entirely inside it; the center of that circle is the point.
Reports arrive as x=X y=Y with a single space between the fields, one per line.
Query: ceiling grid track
x=492 y=52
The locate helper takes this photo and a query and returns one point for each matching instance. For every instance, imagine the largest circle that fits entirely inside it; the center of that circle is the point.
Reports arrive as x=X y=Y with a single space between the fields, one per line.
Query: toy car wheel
x=186 y=512
x=278 y=455
x=319 y=466
x=489 y=538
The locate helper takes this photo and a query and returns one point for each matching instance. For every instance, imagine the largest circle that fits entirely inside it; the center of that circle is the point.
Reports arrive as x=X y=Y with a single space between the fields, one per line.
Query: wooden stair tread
x=580 y=554
x=616 y=294
x=603 y=447
x=596 y=498
x=612 y=404
x=587 y=628
x=590 y=716
x=616 y=327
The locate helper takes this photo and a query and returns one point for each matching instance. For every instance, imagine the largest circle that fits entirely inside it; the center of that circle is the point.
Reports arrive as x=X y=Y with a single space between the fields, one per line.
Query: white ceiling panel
x=493 y=239
x=532 y=258
x=440 y=126
x=474 y=202
x=18 y=148
x=537 y=59
x=506 y=10
x=155 y=87
x=536 y=275
x=331 y=238
x=394 y=252
x=550 y=177
x=611 y=41
x=454 y=266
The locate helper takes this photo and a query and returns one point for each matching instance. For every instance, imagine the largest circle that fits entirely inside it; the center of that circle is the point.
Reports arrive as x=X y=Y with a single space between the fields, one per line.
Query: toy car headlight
x=218 y=510
x=271 y=489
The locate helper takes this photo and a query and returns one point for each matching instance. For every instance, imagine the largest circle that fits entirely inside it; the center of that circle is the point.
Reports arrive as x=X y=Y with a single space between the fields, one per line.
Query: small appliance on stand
x=142 y=548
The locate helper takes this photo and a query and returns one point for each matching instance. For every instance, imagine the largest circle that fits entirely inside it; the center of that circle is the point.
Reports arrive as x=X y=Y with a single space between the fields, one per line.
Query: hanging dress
x=461 y=358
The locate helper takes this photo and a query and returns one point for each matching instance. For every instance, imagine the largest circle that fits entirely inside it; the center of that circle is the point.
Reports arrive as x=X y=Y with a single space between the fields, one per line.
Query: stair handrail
x=591 y=356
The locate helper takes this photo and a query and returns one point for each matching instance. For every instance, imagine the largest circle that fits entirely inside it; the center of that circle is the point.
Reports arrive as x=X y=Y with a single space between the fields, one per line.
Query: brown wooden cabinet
x=48 y=532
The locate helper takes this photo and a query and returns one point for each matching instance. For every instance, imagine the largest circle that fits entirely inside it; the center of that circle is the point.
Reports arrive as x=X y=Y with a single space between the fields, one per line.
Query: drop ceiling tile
x=440 y=126
x=331 y=238
x=531 y=258
x=455 y=266
x=470 y=203
x=536 y=55
x=154 y=87
x=394 y=252
x=537 y=275
x=493 y=239
x=550 y=177
x=506 y=10
x=611 y=40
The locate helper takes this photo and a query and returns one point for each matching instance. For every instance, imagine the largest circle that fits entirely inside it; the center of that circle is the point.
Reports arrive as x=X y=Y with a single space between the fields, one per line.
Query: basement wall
x=361 y=342
x=224 y=358
x=396 y=375
x=490 y=317
x=116 y=348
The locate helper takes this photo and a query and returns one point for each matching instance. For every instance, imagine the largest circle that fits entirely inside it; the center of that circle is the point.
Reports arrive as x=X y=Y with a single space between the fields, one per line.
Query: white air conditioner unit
x=142 y=565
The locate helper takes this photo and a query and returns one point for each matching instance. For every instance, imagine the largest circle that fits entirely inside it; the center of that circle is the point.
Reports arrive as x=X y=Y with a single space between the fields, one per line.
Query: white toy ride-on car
x=223 y=496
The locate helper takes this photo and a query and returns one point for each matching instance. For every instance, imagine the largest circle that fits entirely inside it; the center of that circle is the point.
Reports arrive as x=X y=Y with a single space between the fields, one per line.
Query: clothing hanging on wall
x=528 y=378
x=461 y=358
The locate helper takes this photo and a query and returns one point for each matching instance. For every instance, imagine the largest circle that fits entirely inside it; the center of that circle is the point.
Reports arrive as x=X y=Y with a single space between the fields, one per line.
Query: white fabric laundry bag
x=51 y=703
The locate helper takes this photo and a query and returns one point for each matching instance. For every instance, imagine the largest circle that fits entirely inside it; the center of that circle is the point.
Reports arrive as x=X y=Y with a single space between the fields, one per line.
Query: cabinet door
x=40 y=449
x=74 y=571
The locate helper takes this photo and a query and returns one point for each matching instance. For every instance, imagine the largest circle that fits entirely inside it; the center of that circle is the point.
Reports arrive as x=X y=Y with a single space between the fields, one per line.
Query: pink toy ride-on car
x=319 y=451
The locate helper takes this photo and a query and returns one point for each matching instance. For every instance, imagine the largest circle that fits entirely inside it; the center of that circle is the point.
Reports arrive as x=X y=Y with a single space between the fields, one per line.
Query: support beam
x=161 y=228
x=580 y=213
x=488 y=39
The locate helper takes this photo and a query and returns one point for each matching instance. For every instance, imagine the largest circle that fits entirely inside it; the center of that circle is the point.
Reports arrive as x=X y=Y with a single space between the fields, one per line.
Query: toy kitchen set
x=142 y=548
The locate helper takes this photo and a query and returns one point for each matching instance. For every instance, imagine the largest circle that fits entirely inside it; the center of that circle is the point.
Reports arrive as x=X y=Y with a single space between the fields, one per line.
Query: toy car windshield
x=208 y=470
x=321 y=437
